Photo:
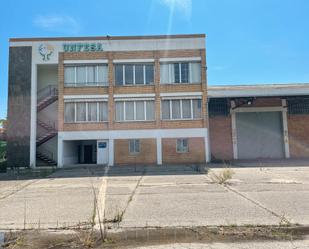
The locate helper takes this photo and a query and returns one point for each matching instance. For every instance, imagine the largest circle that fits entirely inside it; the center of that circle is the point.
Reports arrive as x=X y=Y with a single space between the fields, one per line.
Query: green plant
x=221 y=177
x=3 y=166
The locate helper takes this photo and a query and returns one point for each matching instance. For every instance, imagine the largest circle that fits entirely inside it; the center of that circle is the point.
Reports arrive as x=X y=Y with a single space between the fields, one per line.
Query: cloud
x=183 y=6
x=57 y=23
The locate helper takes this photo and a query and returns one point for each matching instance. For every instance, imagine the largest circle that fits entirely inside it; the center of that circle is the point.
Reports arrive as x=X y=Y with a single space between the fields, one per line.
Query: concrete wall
x=47 y=75
x=298 y=126
x=70 y=152
x=19 y=102
x=147 y=154
x=196 y=153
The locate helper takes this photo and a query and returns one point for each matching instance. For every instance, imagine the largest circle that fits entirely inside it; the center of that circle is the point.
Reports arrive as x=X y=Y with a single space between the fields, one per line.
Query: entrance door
x=88 y=154
x=102 y=156
x=259 y=135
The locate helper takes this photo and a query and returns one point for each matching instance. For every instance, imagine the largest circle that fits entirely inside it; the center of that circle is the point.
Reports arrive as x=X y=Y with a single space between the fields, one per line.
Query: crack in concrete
x=133 y=193
x=18 y=190
x=260 y=205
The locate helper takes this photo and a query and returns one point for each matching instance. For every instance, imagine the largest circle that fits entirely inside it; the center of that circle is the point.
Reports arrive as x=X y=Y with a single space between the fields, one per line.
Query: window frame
x=86 y=112
x=135 y=146
x=123 y=83
x=171 y=76
x=184 y=149
x=181 y=109
x=123 y=102
x=97 y=83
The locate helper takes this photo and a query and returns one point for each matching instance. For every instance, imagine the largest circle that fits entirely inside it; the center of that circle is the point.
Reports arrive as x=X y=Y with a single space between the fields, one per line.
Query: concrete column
x=110 y=152
x=285 y=129
x=207 y=147
x=33 y=119
x=234 y=131
x=159 y=150
x=60 y=153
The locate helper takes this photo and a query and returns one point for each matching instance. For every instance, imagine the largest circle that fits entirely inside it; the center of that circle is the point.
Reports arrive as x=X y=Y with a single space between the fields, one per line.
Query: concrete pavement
x=255 y=196
x=66 y=198
x=157 y=196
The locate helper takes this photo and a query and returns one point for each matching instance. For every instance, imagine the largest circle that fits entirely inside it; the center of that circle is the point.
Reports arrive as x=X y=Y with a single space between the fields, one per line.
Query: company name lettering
x=82 y=47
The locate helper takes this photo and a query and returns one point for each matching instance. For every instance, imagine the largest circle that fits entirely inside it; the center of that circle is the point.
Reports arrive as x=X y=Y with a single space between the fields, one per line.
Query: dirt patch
x=150 y=236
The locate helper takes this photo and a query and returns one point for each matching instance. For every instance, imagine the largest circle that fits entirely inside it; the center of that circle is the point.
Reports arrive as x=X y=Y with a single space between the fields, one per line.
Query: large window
x=90 y=111
x=134 y=74
x=137 y=110
x=174 y=109
x=85 y=75
x=184 y=72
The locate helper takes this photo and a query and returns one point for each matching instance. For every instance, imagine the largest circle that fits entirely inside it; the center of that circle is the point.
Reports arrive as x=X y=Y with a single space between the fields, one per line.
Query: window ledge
x=136 y=85
x=182 y=119
x=179 y=84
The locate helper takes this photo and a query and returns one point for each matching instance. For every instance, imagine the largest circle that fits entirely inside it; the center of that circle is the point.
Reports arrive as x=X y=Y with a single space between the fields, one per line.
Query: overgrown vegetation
x=222 y=176
x=3 y=163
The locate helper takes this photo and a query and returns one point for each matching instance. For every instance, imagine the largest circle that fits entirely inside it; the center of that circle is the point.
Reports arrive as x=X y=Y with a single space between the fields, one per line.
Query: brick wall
x=220 y=132
x=298 y=126
x=196 y=152
x=147 y=154
x=111 y=89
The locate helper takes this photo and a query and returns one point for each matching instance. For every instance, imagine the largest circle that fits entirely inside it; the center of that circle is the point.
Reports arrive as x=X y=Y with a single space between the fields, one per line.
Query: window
x=184 y=72
x=134 y=74
x=298 y=105
x=103 y=111
x=129 y=109
x=175 y=109
x=119 y=75
x=134 y=146
x=85 y=75
x=81 y=112
x=182 y=145
x=137 y=110
x=91 y=111
x=128 y=76
x=218 y=107
x=69 y=112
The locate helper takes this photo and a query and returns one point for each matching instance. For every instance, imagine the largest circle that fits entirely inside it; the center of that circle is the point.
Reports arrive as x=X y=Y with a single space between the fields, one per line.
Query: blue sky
x=248 y=41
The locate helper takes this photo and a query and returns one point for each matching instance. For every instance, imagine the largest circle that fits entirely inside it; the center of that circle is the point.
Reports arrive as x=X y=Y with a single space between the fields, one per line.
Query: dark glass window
x=119 y=75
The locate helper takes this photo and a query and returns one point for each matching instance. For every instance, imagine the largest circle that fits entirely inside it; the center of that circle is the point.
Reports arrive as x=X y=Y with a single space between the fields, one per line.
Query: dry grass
x=222 y=176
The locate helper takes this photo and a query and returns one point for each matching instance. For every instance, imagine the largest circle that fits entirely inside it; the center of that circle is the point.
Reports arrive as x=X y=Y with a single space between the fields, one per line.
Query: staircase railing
x=48 y=91
x=49 y=125
x=46 y=153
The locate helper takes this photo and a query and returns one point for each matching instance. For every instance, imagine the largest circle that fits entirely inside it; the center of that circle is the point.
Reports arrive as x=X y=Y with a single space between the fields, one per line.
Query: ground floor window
x=182 y=145
x=134 y=146
x=90 y=111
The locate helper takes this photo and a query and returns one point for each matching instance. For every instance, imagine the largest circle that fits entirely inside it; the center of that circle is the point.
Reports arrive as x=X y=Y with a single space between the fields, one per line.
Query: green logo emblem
x=46 y=51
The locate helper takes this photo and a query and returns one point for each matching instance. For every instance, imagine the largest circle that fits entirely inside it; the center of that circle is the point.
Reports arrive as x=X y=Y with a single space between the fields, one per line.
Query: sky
x=248 y=41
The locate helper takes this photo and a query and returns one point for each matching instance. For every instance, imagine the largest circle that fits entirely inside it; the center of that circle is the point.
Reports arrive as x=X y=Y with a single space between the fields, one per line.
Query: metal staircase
x=46 y=97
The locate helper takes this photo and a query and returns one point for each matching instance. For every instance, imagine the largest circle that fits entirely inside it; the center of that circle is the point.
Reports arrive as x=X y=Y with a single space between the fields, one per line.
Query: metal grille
x=218 y=107
x=298 y=105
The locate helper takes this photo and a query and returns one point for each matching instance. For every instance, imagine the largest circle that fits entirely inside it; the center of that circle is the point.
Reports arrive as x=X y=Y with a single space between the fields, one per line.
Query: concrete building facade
x=141 y=100
x=110 y=100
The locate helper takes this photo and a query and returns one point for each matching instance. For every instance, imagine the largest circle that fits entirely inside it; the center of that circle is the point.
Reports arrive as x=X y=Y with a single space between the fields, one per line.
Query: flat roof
x=107 y=37
x=258 y=90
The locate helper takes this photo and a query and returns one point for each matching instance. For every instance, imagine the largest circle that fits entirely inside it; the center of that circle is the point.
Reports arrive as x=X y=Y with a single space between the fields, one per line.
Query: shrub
x=223 y=176
x=3 y=166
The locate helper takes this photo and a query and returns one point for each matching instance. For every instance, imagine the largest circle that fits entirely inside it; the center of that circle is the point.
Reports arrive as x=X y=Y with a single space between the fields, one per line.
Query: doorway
x=88 y=154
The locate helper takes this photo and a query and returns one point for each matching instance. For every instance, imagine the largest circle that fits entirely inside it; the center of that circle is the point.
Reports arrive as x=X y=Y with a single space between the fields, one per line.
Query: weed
x=222 y=177
x=284 y=221
x=118 y=217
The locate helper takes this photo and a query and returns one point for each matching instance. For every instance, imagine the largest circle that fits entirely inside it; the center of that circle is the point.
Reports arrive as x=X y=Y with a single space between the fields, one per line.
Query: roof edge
x=84 y=38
